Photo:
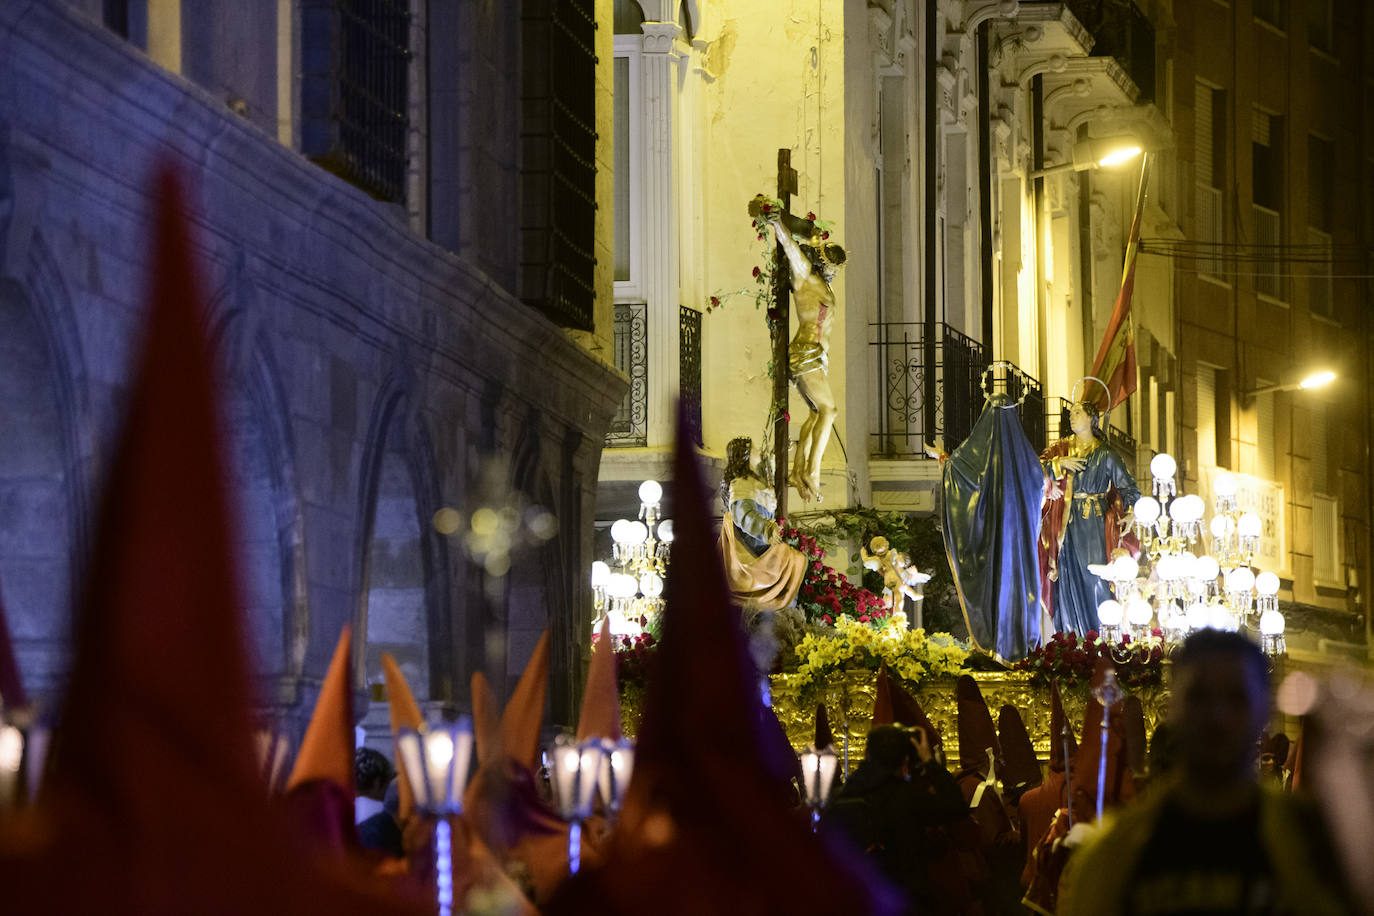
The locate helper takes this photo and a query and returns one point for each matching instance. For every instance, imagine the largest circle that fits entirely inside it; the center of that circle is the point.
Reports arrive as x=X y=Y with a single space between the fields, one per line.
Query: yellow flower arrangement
x=910 y=654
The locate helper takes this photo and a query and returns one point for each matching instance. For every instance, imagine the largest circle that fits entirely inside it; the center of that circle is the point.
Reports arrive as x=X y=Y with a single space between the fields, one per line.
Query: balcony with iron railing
x=930 y=389
x=630 y=426
x=1121 y=31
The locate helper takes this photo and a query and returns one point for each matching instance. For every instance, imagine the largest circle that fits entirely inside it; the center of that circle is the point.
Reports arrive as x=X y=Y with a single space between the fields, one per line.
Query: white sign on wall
x=1265 y=499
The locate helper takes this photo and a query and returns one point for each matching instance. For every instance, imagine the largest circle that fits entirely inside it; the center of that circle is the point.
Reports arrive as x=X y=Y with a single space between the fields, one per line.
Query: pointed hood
x=1060 y=731
x=893 y=705
x=524 y=715
x=703 y=817
x=824 y=736
x=12 y=695
x=154 y=786
x=327 y=749
x=600 y=717
x=1085 y=767
x=405 y=713
x=976 y=732
x=1021 y=769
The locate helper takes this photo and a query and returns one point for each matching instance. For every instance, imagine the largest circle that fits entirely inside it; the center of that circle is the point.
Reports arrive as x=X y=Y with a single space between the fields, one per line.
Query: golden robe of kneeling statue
x=760 y=569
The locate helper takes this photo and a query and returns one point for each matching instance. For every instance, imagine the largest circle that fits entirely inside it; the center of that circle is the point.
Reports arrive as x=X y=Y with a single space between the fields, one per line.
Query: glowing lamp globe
x=1249 y=525
x=1162 y=466
x=1187 y=565
x=650 y=491
x=1221 y=526
x=1267 y=583
x=1219 y=618
x=620 y=531
x=1197 y=615
x=1167 y=567
x=601 y=574
x=1271 y=623
x=1193 y=508
x=1224 y=486
x=665 y=531
x=437 y=760
x=1146 y=510
x=1138 y=612
x=1125 y=567
x=622 y=585
x=1240 y=579
x=650 y=585
x=1207 y=568
x=1109 y=613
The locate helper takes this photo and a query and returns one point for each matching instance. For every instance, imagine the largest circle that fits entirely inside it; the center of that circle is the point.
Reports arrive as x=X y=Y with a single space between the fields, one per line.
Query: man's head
x=1085 y=419
x=371 y=773
x=1219 y=704
x=826 y=257
x=889 y=748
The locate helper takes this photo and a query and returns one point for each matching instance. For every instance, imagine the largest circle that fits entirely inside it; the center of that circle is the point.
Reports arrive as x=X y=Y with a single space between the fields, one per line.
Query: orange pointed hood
x=600 y=716
x=405 y=713
x=327 y=749
x=524 y=716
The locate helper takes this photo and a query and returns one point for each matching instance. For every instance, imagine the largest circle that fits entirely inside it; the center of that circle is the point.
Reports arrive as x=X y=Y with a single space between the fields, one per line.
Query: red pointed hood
x=704 y=818
x=824 y=736
x=893 y=705
x=153 y=784
x=1021 y=768
x=1060 y=731
x=976 y=732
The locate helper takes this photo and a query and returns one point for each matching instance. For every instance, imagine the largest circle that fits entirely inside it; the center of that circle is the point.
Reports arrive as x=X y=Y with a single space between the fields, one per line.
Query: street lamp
x=1317 y=378
x=437 y=760
x=1095 y=154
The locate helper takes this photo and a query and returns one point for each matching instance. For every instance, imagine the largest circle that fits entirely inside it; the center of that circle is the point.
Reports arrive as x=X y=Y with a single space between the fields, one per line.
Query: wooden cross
x=782 y=372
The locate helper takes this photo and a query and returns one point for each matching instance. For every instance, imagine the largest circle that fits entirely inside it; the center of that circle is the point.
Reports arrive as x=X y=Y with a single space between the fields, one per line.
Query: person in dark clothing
x=382 y=831
x=892 y=802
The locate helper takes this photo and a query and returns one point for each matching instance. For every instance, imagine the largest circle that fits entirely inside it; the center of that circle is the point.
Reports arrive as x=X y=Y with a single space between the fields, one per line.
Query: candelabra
x=1181 y=590
x=641 y=553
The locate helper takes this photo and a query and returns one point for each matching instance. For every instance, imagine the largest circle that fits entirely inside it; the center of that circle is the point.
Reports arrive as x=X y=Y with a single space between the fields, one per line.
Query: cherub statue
x=900 y=577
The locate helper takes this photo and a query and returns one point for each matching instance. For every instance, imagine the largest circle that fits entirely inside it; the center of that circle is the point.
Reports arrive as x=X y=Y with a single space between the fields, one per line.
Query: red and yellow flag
x=1115 y=362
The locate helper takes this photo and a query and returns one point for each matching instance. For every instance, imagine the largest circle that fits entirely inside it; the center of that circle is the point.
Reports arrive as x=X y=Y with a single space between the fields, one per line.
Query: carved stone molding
x=659 y=37
x=975 y=14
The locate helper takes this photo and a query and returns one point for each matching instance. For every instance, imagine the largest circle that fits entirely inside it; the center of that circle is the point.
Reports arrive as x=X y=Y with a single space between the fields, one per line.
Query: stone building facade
x=379 y=361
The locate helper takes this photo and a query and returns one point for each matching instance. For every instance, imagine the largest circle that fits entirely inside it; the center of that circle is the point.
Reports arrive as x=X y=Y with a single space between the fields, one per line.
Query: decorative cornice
x=975 y=14
x=659 y=37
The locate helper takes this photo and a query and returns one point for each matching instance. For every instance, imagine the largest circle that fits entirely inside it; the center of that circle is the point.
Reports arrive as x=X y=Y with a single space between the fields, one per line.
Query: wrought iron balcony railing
x=929 y=389
x=630 y=426
x=1057 y=418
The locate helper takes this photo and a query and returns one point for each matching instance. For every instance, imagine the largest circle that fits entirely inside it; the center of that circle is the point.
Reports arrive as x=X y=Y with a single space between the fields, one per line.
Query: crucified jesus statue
x=814 y=266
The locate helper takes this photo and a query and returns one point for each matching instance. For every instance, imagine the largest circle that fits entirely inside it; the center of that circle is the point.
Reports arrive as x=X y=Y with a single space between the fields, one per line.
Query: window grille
x=355 y=58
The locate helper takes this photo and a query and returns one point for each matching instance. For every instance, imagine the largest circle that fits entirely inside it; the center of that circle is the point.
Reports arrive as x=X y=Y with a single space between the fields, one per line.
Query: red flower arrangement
x=1071 y=658
x=826 y=594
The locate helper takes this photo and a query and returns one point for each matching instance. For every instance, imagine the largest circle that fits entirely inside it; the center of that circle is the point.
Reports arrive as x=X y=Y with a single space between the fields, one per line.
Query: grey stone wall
x=369 y=375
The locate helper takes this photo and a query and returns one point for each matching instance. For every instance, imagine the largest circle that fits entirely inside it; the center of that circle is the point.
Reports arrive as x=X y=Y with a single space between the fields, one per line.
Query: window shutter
x=1264 y=436
x=558 y=159
x=1206 y=417
x=1202 y=134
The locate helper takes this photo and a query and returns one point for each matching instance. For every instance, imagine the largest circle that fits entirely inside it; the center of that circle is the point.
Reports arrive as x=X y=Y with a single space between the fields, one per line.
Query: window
x=1319 y=24
x=558 y=159
x=1206 y=417
x=1270 y=11
x=891 y=223
x=1209 y=166
x=1266 y=145
x=355 y=77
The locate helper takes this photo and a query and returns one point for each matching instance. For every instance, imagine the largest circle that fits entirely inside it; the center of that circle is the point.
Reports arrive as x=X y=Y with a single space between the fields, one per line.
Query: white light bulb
x=1109 y=613
x=636 y=533
x=1241 y=579
x=1224 y=485
x=650 y=491
x=1219 y=618
x=1197 y=615
x=1271 y=623
x=665 y=531
x=600 y=574
x=439 y=748
x=619 y=530
x=1220 y=526
x=1138 y=612
x=1126 y=567
x=651 y=585
x=1207 y=568
x=1146 y=510
x=1267 y=583
x=1249 y=525
x=1162 y=466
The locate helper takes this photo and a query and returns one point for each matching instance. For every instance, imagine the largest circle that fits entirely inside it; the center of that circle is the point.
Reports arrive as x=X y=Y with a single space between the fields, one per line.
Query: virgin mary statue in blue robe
x=992 y=487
